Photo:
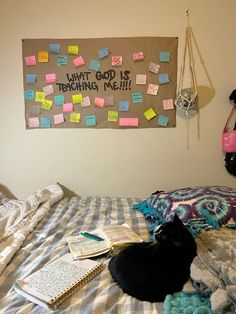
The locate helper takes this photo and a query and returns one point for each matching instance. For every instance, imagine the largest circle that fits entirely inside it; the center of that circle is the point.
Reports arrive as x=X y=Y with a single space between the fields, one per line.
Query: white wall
x=116 y=162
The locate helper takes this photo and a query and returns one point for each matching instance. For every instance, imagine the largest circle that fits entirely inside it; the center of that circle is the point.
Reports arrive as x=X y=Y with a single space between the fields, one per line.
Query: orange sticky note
x=128 y=122
x=42 y=56
x=98 y=101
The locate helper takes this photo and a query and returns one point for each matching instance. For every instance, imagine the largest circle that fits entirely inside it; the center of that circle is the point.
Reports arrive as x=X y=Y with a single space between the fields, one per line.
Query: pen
x=91 y=236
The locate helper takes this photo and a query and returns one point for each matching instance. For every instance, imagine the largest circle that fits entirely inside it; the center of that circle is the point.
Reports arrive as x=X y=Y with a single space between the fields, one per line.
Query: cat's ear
x=177 y=219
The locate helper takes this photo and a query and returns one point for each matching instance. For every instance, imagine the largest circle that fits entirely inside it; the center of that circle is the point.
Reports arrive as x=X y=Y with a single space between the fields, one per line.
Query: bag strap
x=229 y=119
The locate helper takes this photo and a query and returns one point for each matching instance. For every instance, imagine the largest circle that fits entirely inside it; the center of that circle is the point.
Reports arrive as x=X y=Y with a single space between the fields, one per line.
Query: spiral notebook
x=57 y=281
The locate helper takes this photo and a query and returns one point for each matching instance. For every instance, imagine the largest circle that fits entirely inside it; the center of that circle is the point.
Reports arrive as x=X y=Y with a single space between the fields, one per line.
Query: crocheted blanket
x=213 y=270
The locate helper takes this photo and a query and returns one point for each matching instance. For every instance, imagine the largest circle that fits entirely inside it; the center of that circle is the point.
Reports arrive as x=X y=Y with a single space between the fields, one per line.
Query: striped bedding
x=47 y=241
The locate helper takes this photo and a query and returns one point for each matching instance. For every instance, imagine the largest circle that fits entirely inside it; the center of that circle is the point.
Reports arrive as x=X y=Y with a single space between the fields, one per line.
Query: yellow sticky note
x=73 y=50
x=39 y=96
x=77 y=99
x=42 y=56
x=75 y=117
x=112 y=116
x=149 y=114
x=46 y=104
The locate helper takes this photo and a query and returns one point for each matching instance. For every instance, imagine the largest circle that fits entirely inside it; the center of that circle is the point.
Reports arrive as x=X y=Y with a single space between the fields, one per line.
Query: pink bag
x=228 y=138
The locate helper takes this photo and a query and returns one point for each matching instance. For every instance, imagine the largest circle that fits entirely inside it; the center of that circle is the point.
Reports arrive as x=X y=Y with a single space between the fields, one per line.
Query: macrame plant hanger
x=187 y=98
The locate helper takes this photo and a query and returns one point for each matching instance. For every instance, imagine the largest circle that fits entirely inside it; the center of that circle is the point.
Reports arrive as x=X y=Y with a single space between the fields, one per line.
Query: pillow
x=198 y=207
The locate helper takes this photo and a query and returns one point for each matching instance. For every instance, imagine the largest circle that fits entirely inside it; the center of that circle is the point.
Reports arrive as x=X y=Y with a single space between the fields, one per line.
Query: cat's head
x=174 y=234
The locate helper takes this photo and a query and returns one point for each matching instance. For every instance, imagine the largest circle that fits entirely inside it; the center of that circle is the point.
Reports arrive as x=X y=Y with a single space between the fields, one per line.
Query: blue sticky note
x=30 y=78
x=123 y=105
x=103 y=53
x=163 y=78
x=164 y=56
x=94 y=65
x=59 y=100
x=62 y=60
x=137 y=97
x=45 y=122
x=29 y=94
x=54 y=48
x=162 y=120
x=90 y=120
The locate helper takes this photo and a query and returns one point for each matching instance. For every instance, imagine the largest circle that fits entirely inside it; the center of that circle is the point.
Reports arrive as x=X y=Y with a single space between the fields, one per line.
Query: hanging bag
x=228 y=138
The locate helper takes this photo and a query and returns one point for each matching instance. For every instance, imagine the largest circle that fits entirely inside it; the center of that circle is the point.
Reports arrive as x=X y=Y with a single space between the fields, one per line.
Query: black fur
x=150 y=270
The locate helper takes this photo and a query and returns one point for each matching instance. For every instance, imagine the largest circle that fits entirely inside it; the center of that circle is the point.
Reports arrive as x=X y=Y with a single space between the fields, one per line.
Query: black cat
x=150 y=270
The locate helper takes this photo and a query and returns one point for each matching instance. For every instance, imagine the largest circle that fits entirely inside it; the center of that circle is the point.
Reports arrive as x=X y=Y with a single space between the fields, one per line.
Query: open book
x=114 y=237
x=58 y=280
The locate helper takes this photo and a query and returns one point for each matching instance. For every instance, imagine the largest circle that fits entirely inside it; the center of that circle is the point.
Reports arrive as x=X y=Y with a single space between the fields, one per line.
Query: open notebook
x=58 y=280
x=113 y=237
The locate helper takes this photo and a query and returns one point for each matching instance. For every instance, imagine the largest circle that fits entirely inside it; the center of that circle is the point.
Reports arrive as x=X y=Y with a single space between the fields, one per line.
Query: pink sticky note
x=99 y=102
x=152 y=89
x=168 y=104
x=128 y=122
x=138 y=56
x=30 y=60
x=34 y=122
x=58 y=118
x=116 y=61
x=78 y=61
x=50 y=78
x=86 y=102
x=68 y=107
x=48 y=90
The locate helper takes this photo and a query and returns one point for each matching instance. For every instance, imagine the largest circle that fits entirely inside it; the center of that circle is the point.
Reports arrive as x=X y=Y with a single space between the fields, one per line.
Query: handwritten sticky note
x=128 y=121
x=137 y=97
x=168 y=104
x=50 y=78
x=68 y=107
x=94 y=65
x=86 y=102
x=116 y=61
x=138 y=56
x=30 y=78
x=62 y=60
x=109 y=101
x=162 y=120
x=124 y=105
x=48 y=90
x=154 y=68
x=78 y=61
x=29 y=94
x=90 y=120
x=98 y=101
x=164 y=56
x=54 y=48
x=150 y=114
x=39 y=96
x=163 y=78
x=42 y=56
x=73 y=50
x=141 y=79
x=45 y=122
x=46 y=104
x=30 y=60
x=112 y=116
x=33 y=122
x=34 y=110
x=77 y=98
x=103 y=53
x=152 y=89
x=58 y=118
x=59 y=100
x=75 y=117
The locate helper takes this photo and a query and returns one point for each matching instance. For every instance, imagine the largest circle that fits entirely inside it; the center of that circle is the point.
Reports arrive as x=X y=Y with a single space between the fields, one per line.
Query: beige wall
x=116 y=162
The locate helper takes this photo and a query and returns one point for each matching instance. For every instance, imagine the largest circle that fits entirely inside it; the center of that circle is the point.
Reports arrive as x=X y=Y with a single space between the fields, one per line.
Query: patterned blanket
x=213 y=271
x=47 y=241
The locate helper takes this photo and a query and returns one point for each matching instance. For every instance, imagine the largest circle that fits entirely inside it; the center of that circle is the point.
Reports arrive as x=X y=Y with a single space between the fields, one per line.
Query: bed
x=33 y=232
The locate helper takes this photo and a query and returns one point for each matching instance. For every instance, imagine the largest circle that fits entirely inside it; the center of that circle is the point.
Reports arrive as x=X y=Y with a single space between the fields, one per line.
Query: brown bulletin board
x=59 y=74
